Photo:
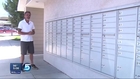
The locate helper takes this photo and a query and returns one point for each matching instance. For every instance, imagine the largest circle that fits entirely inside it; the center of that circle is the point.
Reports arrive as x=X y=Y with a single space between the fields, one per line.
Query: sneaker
x=34 y=66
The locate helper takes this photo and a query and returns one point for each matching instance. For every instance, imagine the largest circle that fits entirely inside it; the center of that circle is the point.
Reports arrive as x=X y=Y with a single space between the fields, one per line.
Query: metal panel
x=127 y=24
x=108 y=56
x=138 y=56
x=76 y=34
x=85 y=47
x=58 y=49
x=85 y=38
x=85 y=51
x=77 y=26
x=85 y=43
x=85 y=22
x=96 y=30
x=96 y=26
x=95 y=44
x=126 y=54
x=109 y=14
x=76 y=55
x=137 y=73
x=95 y=60
x=63 y=51
x=109 y=25
x=127 y=30
x=126 y=36
x=126 y=48
x=97 y=49
x=109 y=51
x=85 y=26
x=96 y=40
x=96 y=35
x=138 y=23
x=95 y=16
x=109 y=30
x=108 y=67
x=130 y=11
x=77 y=19
x=69 y=30
x=110 y=41
x=87 y=17
x=126 y=42
x=96 y=21
x=77 y=23
x=85 y=30
x=125 y=69
x=111 y=36
x=69 y=54
x=85 y=59
x=77 y=30
x=127 y=18
x=106 y=20
x=109 y=46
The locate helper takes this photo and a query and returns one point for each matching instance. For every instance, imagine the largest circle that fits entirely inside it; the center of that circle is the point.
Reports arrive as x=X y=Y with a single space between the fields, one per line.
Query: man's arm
x=22 y=33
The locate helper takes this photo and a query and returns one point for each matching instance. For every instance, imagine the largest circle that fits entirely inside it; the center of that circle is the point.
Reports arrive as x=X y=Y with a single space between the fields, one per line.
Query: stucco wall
x=38 y=18
x=59 y=8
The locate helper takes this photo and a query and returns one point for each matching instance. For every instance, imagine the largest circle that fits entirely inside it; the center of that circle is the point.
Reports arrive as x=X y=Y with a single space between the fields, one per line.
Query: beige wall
x=38 y=18
x=60 y=8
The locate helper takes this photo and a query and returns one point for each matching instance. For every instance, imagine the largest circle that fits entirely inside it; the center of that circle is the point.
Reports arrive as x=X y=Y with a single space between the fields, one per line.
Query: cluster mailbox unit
x=108 y=42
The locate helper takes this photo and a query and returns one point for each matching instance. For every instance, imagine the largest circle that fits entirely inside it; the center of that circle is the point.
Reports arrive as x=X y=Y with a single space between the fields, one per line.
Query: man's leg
x=31 y=59
x=31 y=52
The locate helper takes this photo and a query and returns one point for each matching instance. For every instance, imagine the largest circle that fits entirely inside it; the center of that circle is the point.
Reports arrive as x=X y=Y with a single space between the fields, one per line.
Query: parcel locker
x=84 y=59
x=125 y=67
x=76 y=55
x=69 y=54
x=95 y=60
x=108 y=66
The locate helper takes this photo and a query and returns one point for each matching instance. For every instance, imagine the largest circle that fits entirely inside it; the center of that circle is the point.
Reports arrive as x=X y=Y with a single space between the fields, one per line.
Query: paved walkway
x=10 y=53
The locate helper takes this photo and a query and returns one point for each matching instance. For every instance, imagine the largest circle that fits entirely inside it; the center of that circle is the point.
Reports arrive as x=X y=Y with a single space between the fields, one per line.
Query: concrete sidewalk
x=10 y=53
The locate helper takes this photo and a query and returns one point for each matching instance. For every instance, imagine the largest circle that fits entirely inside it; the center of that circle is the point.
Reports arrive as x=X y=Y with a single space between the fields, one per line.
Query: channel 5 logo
x=15 y=68
x=26 y=67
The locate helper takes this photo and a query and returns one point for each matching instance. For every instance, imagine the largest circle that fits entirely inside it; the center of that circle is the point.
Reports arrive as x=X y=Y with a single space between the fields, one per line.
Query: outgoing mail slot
x=126 y=48
x=127 y=30
x=131 y=11
x=109 y=51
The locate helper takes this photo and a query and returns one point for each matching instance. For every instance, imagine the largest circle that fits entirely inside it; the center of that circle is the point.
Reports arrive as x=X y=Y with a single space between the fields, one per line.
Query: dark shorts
x=27 y=47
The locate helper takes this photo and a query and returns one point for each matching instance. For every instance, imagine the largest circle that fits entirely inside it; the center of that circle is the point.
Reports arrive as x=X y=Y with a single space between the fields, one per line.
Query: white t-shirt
x=25 y=27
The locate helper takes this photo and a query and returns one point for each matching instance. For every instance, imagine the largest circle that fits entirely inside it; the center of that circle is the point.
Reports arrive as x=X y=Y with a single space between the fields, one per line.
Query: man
x=26 y=30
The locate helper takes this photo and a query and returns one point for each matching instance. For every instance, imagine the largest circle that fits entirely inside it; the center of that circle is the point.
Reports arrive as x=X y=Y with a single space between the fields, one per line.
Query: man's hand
x=31 y=33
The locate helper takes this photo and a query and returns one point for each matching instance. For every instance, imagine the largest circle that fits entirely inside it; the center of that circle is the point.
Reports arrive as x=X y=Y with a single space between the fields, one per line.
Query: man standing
x=26 y=30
